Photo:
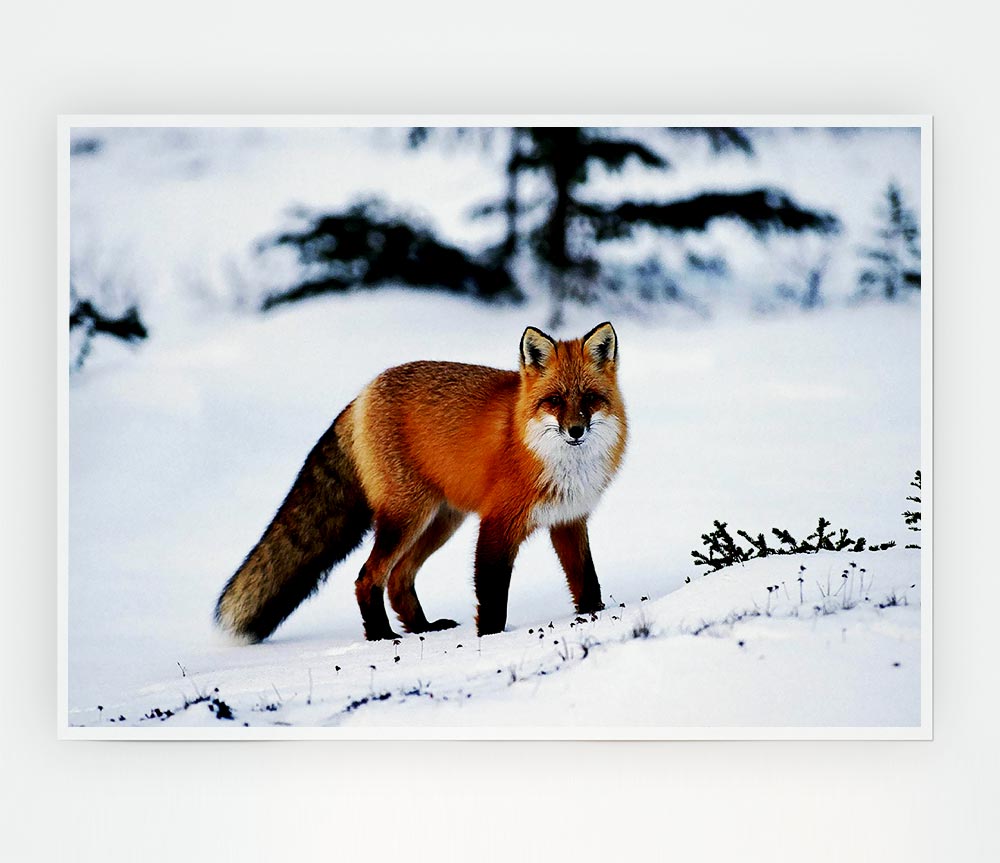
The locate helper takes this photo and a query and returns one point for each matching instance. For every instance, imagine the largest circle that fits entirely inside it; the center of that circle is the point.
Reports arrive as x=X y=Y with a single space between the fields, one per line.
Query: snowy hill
x=181 y=449
x=181 y=452
x=719 y=652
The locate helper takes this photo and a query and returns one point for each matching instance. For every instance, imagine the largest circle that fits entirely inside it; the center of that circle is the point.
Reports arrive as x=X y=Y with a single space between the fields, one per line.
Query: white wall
x=821 y=801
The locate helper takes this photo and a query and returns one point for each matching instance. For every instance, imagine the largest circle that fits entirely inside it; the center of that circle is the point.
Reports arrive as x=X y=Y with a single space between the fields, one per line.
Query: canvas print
x=559 y=429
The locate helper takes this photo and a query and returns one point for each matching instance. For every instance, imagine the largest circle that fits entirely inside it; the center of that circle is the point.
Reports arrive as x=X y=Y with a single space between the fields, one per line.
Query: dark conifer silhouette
x=102 y=300
x=893 y=263
x=560 y=230
x=86 y=316
x=366 y=247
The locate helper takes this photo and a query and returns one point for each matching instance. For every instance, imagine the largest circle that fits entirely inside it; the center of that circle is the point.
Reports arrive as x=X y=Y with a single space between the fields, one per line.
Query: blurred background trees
x=553 y=237
x=178 y=224
x=367 y=246
x=103 y=302
x=90 y=321
x=892 y=264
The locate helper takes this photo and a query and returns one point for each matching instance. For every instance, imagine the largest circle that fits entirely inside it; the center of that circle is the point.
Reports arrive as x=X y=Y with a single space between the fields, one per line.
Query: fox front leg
x=572 y=545
x=495 y=553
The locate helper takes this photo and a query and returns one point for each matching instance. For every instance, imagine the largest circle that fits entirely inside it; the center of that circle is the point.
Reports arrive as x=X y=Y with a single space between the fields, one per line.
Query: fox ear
x=601 y=344
x=537 y=349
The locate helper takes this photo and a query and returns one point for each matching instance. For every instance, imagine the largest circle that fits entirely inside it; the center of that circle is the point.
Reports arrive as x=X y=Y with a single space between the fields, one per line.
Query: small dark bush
x=912 y=517
x=724 y=551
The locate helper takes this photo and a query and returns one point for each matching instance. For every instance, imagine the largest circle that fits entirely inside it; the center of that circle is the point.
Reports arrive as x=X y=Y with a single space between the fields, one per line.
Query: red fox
x=421 y=447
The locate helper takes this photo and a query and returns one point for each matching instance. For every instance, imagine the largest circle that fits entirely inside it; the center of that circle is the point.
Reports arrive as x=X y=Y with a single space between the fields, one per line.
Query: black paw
x=589 y=607
x=382 y=635
x=441 y=623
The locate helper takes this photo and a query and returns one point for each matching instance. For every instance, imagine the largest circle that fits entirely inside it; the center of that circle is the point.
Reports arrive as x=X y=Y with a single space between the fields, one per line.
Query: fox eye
x=591 y=400
x=553 y=401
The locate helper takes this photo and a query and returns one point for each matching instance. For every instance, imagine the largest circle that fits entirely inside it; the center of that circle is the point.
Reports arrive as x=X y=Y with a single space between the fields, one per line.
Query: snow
x=181 y=449
x=179 y=457
x=176 y=214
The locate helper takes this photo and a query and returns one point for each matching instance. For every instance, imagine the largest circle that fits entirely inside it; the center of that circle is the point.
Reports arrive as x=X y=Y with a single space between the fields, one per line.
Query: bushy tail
x=321 y=521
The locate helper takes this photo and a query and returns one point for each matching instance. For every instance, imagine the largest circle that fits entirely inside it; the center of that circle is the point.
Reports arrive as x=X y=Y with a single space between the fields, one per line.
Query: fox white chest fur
x=424 y=444
x=574 y=474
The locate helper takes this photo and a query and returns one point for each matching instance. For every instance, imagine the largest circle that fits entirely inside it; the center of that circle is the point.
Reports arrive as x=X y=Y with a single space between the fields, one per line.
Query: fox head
x=569 y=393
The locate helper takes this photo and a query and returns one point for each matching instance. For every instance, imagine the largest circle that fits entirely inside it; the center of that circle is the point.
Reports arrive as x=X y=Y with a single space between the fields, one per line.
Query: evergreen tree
x=564 y=239
x=368 y=246
x=102 y=303
x=893 y=266
x=92 y=321
x=559 y=231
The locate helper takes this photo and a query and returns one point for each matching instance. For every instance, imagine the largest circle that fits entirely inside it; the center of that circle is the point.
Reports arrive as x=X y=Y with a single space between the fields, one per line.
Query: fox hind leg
x=393 y=538
x=402 y=594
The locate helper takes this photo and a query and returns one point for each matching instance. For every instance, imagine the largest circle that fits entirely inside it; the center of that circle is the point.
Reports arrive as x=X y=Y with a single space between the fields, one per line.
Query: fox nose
x=576 y=432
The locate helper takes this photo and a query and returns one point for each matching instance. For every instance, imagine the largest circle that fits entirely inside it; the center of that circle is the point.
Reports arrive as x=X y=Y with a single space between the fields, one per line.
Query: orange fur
x=432 y=441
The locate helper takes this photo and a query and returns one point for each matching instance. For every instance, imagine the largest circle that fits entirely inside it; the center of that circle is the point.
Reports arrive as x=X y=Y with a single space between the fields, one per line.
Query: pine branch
x=763 y=211
x=613 y=154
x=720 y=138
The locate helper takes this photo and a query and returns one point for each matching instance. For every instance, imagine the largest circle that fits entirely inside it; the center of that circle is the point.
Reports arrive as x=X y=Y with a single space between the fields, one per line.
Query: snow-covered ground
x=180 y=454
x=181 y=450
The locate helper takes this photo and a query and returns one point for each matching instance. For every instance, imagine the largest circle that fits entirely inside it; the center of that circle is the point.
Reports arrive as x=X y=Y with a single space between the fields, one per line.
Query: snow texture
x=181 y=450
